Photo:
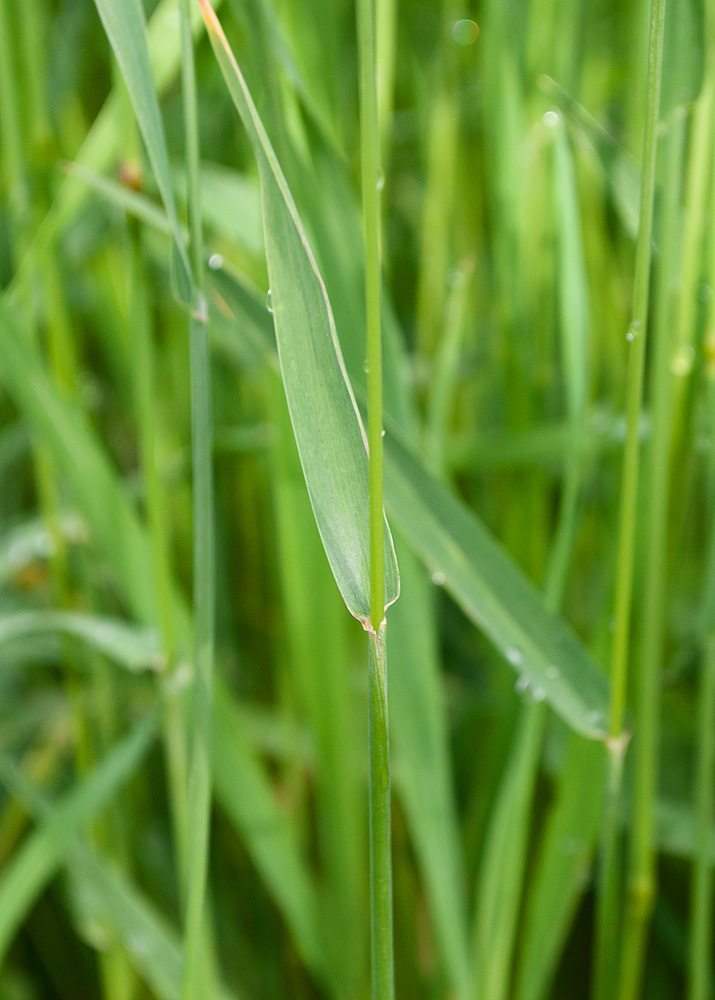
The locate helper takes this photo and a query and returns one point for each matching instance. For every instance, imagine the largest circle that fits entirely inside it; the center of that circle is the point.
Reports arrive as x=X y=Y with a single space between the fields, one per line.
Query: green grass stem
x=607 y=909
x=381 y=931
x=198 y=837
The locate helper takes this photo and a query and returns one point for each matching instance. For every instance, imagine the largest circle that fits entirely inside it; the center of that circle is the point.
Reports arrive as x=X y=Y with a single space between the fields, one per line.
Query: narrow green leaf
x=123 y=22
x=562 y=867
x=152 y=944
x=489 y=587
x=125 y=545
x=494 y=593
x=137 y=649
x=108 y=905
x=44 y=850
x=326 y=422
x=242 y=791
x=103 y=500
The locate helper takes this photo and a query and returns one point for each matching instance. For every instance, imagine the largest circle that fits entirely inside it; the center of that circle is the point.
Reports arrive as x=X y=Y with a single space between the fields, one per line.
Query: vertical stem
x=370 y=165
x=383 y=986
x=607 y=925
x=204 y=597
x=641 y=888
x=701 y=907
x=381 y=935
x=701 y=900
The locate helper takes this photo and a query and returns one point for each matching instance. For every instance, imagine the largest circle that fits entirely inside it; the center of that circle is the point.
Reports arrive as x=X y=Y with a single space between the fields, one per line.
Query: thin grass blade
x=327 y=426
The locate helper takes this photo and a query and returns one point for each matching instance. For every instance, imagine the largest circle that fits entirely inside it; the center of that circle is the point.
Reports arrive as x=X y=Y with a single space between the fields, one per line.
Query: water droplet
x=438 y=578
x=522 y=685
x=538 y=693
x=633 y=330
x=382 y=433
x=455 y=277
x=216 y=261
x=552 y=672
x=465 y=32
x=682 y=363
x=365 y=366
x=380 y=182
x=269 y=302
x=136 y=942
x=514 y=656
x=551 y=118
x=594 y=717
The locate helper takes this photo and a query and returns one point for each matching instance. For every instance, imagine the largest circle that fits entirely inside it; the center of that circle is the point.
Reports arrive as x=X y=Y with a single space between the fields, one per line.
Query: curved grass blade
x=490 y=588
x=36 y=861
x=152 y=944
x=110 y=904
x=327 y=426
x=417 y=718
x=494 y=593
x=241 y=789
x=125 y=27
x=124 y=544
x=137 y=649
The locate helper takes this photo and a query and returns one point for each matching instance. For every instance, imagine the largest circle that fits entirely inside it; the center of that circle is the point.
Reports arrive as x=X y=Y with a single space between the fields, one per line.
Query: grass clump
x=292 y=294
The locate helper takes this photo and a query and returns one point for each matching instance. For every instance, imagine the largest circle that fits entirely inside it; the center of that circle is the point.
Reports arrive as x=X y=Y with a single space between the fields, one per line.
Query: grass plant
x=308 y=305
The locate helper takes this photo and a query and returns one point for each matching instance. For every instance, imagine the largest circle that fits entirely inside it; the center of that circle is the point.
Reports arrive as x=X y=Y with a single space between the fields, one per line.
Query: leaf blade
x=326 y=422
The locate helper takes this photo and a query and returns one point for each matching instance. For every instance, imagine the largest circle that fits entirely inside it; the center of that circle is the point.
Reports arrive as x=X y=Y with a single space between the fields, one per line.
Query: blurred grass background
x=511 y=140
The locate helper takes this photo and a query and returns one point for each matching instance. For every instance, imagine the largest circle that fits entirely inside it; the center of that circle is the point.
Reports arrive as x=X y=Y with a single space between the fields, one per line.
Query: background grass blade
x=133 y=648
x=44 y=851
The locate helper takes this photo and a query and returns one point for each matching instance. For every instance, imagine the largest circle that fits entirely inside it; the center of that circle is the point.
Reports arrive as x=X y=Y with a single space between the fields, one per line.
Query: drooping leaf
x=492 y=591
x=44 y=850
x=135 y=648
x=125 y=546
x=327 y=426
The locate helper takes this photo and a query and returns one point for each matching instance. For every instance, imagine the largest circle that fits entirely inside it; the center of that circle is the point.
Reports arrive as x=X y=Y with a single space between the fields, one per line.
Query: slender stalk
x=173 y=718
x=381 y=935
x=701 y=907
x=641 y=889
x=195 y=968
x=607 y=908
x=700 y=966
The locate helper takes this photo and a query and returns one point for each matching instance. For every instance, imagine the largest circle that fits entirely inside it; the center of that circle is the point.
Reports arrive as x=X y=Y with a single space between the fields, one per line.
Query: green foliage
x=505 y=164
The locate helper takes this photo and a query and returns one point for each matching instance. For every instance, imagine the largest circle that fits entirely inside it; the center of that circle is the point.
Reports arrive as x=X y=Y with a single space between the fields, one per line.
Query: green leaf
x=683 y=54
x=489 y=587
x=494 y=593
x=326 y=422
x=125 y=545
x=137 y=649
x=242 y=790
x=562 y=867
x=103 y=500
x=423 y=778
x=107 y=905
x=43 y=851
x=123 y=22
x=152 y=944
x=621 y=170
